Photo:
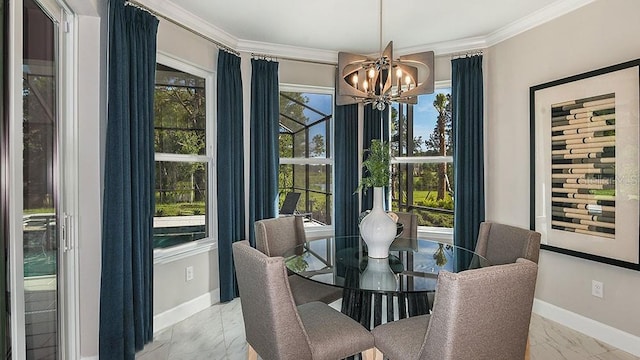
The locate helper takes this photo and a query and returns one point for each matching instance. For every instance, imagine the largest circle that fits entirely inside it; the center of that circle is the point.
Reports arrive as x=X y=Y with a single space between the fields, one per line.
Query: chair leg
x=368 y=354
x=527 y=352
x=378 y=355
x=251 y=353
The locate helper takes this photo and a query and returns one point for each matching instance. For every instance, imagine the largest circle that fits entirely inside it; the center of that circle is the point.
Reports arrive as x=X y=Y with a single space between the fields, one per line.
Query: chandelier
x=383 y=80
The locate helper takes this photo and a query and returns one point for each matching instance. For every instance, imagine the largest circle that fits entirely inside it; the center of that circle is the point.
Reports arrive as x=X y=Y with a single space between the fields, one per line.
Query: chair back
x=272 y=323
x=275 y=236
x=482 y=314
x=290 y=203
x=503 y=244
x=409 y=222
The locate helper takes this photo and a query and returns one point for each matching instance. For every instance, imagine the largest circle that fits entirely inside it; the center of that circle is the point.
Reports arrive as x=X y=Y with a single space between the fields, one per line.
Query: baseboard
x=605 y=333
x=89 y=358
x=184 y=310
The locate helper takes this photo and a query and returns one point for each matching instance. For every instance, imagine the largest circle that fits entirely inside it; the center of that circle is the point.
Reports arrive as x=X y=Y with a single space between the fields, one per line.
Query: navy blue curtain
x=468 y=158
x=230 y=166
x=265 y=114
x=126 y=287
x=376 y=126
x=346 y=170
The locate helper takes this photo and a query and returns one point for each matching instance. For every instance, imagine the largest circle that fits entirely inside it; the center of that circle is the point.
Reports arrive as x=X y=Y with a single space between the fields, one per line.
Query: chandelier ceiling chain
x=383 y=80
x=380 y=28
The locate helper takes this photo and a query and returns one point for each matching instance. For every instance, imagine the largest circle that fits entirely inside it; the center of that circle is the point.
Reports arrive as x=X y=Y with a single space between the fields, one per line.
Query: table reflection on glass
x=404 y=283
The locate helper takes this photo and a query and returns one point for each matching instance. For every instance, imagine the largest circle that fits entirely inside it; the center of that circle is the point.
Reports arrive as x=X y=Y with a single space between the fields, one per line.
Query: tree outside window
x=422 y=173
x=305 y=159
x=181 y=158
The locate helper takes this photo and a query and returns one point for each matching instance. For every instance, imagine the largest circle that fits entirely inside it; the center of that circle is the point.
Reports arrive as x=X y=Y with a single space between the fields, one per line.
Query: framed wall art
x=584 y=164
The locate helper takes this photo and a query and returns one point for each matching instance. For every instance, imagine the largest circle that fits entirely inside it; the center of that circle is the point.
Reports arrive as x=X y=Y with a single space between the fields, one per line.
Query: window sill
x=174 y=253
x=441 y=234
x=318 y=231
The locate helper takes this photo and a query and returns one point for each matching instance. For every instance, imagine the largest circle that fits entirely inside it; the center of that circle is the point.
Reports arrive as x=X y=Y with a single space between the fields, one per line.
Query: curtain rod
x=276 y=58
x=467 y=54
x=217 y=43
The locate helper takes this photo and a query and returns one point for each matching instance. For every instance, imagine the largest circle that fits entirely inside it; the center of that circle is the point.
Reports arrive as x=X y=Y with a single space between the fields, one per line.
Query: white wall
x=91 y=117
x=171 y=289
x=301 y=73
x=89 y=189
x=597 y=35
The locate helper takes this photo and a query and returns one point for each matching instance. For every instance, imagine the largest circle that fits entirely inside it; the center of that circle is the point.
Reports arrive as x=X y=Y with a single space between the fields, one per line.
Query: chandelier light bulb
x=355 y=80
x=365 y=85
x=372 y=73
x=399 y=73
x=407 y=80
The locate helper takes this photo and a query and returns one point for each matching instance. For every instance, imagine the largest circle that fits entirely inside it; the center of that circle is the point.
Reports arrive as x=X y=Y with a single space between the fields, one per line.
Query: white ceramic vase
x=377 y=229
x=378 y=276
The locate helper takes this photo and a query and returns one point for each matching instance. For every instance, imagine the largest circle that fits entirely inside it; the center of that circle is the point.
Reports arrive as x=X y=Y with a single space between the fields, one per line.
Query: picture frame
x=584 y=161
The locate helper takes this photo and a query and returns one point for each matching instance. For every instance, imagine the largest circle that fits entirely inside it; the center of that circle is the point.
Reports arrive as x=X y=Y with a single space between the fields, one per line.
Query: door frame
x=67 y=157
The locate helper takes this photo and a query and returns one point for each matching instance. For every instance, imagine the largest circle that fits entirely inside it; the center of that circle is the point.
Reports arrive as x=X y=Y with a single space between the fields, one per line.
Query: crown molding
x=178 y=14
x=446 y=47
x=287 y=51
x=168 y=9
x=546 y=14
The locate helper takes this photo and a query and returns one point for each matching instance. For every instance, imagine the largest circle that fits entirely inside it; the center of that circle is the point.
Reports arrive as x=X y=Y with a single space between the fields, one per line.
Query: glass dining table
x=402 y=284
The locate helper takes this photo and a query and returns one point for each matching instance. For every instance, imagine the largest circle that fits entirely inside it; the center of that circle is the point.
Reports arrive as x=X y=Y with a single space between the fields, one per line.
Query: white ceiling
x=353 y=25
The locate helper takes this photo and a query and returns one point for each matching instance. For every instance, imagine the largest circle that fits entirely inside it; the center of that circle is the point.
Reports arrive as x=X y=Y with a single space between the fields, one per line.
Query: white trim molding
x=171 y=10
x=546 y=14
x=597 y=330
x=288 y=51
x=186 y=309
x=174 y=253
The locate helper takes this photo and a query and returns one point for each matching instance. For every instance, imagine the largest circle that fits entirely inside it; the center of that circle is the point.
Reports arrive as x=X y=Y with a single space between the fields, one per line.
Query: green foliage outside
x=180 y=209
x=430 y=199
x=293 y=143
x=180 y=116
x=39 y=211
x=431 y=183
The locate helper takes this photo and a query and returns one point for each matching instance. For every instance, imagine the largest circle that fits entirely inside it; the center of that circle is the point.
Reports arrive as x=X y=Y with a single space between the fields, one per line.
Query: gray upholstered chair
x=273 y=238
x=409 y=222
x=503 y=244
x=480 y=314
x=408 y=239
x=277 y=329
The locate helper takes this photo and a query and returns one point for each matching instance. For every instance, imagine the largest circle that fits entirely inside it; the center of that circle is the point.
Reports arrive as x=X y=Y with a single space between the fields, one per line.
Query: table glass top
x=412 y=266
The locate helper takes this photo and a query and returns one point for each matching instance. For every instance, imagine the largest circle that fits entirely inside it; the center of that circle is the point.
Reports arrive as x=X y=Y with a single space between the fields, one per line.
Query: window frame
x=287 y=87
x=210 y=242
x=432 y=232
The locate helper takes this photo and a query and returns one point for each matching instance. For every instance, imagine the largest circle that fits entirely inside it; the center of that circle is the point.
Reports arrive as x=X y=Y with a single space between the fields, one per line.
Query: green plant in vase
x=377 y=228
x=377 y=164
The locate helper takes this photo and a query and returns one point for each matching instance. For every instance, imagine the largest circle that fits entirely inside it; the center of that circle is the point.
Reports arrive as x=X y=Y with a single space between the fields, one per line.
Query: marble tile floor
x=217 y=333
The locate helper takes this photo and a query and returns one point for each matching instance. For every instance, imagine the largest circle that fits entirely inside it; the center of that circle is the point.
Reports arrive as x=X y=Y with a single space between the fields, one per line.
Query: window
x=184 y=158
x=422 y=171
x=305 y=150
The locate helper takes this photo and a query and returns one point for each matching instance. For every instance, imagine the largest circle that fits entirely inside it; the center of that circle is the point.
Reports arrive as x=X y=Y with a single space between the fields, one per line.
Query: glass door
x=42 y=220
